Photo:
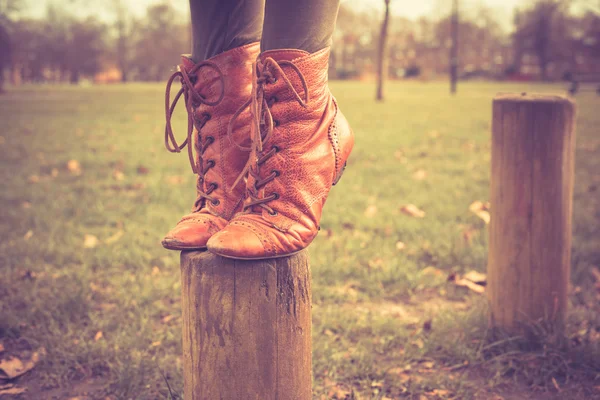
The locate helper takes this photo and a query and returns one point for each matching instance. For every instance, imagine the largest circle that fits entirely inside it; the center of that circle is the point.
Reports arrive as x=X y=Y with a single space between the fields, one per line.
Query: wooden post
x=246 y=328
x=531 y=196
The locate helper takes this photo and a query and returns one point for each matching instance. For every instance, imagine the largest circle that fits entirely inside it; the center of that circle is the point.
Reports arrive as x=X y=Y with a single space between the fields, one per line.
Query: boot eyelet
x=211 y=163
x=277 y=173
x=275 y=196
x=277 y=149
x=274 y=80
x=210 y=139
x=273 y=213
x=275 y=123
x=206 y=116
x=215 y=202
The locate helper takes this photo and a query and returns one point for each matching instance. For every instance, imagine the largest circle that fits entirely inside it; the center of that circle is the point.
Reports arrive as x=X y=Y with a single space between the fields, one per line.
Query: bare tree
x=123 y=45
x=7 y=10
x=542 y=30
x=381 y=53
x=85 y=37
x=454 y=48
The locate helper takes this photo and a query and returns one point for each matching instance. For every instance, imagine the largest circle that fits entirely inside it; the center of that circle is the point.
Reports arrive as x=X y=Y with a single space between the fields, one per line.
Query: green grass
x=385 y=325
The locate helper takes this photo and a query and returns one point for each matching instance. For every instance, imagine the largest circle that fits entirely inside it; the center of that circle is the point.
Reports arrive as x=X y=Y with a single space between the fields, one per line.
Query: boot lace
x=264 y=73
x=193 y=99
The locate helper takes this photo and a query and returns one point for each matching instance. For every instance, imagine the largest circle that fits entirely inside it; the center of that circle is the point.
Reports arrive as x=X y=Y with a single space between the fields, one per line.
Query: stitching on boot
x=334 y=139
x=267 y=244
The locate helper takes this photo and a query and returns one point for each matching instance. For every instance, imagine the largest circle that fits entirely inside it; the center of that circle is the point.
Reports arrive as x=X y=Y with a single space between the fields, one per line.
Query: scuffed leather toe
x=237 y=242
x=192 y=232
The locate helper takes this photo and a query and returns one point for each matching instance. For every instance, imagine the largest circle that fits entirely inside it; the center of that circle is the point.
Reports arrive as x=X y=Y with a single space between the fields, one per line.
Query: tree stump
x=246 y=327
x=531 y=196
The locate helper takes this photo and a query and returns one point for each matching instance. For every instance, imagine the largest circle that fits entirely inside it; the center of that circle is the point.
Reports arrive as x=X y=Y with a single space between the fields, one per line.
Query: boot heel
x=337 y=178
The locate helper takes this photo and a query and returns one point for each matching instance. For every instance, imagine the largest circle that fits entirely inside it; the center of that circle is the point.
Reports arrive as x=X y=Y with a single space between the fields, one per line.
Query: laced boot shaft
x=212 y=91
x=300 y=143
x=193 y=98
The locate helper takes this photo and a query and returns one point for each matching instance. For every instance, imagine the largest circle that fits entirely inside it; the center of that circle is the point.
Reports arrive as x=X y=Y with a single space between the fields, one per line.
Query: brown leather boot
x=301 y=142
x=213 y=91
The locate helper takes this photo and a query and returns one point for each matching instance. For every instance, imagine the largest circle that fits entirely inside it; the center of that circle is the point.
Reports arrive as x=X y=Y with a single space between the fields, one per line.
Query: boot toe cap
x=238 y=242
x=191 y=233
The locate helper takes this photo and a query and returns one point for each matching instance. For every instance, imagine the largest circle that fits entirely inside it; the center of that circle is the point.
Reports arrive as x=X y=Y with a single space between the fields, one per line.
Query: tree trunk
x=75 y=77
x=454 y=48
x=381 y=56
x=1 y=80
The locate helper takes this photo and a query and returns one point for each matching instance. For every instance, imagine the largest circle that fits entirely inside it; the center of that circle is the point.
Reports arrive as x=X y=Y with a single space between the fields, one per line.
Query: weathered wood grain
x=246 y=327
x=531 y=198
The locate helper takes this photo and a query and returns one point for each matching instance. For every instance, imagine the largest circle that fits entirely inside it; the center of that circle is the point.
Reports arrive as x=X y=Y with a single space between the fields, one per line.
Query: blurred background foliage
x=546 y=40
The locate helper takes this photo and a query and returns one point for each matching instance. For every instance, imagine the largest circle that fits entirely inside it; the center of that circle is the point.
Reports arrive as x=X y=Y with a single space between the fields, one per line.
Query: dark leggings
x=221 y=25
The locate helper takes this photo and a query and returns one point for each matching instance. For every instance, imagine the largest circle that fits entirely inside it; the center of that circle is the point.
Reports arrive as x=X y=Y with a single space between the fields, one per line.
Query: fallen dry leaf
x=33 y=179
x=74 y=167
x=116 y=236
x=420 y=174
x=556 y=386
x=118 y=175
x=338 y=393
x=413 y=211
x=400 y=246
x=155 y=271
x=28 y=235
x=167 y=319
x=13 y=367
x=54 y=172
x=98 y=336
x=89 y=241
x=476 y=277
x=484 y=215
x=481 y=210
x=12 y=390
x=470 y=285
x=371 y=211
x=156 y=344
x=377 y=384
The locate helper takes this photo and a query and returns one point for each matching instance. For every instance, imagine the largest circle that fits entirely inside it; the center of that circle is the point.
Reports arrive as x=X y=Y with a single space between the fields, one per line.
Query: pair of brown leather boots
x=269 y=143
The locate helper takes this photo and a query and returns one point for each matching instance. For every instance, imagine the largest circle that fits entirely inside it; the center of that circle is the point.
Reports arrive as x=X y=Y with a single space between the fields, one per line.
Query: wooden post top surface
x=203 y=258
x=525 y=97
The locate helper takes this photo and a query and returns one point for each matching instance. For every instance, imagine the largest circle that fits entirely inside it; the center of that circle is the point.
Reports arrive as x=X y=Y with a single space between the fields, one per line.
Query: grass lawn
x=85 y=284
